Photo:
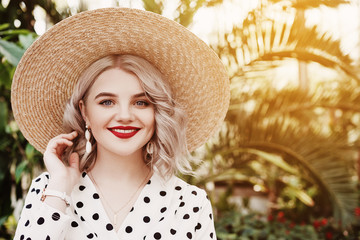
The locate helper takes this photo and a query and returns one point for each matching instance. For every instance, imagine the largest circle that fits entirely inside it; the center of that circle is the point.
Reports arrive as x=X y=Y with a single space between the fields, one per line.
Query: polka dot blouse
x=168 y=210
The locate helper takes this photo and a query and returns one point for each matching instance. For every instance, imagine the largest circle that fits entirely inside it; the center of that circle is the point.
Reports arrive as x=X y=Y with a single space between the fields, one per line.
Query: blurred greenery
x=17 y=155
x=297 y=145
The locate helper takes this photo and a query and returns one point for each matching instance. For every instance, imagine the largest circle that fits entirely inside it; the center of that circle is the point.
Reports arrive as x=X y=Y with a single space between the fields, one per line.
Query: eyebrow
x=109 y=94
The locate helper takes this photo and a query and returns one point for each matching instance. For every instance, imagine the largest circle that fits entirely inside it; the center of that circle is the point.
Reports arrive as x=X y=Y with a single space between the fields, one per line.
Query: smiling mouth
x=124 y=132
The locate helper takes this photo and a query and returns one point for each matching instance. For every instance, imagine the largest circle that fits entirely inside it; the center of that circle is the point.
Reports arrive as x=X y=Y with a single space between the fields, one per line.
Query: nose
x=124 y=114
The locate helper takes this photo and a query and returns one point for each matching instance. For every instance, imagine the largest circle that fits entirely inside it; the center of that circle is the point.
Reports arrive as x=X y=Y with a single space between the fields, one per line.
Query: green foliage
x=17 y=155
x=254 y=226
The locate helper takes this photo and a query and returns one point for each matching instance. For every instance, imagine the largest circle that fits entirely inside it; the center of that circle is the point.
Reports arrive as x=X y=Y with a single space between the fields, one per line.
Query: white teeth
x=124 y=131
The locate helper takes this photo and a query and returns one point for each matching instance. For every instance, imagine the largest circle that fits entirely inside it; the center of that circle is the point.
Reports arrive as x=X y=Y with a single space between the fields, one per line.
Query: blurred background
x=286 y=162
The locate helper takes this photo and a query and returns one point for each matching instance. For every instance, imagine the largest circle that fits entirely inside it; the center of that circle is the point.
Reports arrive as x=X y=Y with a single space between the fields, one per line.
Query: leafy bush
x=253 y=226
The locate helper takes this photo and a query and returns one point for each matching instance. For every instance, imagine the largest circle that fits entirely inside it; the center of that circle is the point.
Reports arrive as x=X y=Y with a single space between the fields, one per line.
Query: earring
x=150 y=148
x=150 y=151
x=88 y=143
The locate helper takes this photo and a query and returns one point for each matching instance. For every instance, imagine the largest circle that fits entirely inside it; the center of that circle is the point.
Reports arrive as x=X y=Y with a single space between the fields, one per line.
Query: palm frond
x=265 y=38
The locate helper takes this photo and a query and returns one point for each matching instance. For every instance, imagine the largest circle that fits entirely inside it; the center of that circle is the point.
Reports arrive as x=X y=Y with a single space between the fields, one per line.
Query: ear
x=83 y=111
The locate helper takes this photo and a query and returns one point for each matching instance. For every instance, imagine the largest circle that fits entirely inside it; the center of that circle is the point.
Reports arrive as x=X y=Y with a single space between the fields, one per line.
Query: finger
x=61 y=143
x=68 y=136
x=58 y=145
x=74 y=161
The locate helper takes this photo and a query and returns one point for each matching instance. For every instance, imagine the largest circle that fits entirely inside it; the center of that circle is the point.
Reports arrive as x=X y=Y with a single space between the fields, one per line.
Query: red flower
x=329 y=235
x=316 y=224
x=281 y=217
x=270 y=218
x=324 y=222
x=292 y=225
x=357 y=211
x=280 y=214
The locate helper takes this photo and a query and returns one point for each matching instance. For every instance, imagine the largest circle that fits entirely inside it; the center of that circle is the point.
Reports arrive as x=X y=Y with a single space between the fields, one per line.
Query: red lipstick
x=124 y=131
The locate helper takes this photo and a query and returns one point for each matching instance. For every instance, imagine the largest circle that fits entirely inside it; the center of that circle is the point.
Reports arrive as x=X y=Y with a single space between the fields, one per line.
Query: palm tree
x=312 y=129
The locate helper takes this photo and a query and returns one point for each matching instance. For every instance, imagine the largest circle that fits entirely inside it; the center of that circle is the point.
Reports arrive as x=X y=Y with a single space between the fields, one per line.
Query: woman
x=143 y=92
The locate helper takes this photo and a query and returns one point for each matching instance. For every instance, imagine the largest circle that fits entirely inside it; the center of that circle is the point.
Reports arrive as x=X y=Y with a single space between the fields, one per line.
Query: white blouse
x=169 y=209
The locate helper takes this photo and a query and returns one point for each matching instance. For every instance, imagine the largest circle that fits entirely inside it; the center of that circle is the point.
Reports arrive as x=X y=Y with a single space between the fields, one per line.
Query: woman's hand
x=62 y=178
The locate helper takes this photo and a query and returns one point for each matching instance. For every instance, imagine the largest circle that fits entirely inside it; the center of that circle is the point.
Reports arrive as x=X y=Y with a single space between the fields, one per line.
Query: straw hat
x=48 y=71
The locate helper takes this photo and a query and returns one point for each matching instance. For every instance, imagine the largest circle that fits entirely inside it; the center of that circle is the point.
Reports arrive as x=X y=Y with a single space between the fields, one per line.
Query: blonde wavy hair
x=170 y=154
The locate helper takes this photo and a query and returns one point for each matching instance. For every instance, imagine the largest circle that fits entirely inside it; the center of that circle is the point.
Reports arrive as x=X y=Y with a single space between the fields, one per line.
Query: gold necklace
x=115 y=213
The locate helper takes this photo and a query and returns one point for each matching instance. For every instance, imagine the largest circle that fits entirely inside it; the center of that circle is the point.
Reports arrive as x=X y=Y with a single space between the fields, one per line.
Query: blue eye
x=141 y=103
x=106 y=102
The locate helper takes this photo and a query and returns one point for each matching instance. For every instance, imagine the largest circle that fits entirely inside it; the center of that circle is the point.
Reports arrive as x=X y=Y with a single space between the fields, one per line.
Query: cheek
x=151 y=118
x=99 y=118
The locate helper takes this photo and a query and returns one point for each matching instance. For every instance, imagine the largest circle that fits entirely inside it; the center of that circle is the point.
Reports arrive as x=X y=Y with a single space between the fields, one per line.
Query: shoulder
x=181 y=191
x=188 y=190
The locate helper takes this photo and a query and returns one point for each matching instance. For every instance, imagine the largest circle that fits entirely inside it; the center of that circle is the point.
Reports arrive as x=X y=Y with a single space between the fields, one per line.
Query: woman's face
x=120 y=116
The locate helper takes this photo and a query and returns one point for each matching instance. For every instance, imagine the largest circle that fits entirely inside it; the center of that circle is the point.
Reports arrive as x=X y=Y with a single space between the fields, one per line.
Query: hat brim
x=48 y=71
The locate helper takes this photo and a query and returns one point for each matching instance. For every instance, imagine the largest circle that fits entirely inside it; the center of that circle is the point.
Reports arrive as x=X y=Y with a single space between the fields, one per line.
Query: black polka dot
x=95 y=216
x=132 y=209
x=79 y=204
x=162 y=193
x=90 y=236
x=75 y=212
x=146 y=199
x=195 y=209
x=55 y=216
x=181 y=197
x=28 y=238
x=186 y=216
x=157 y=235
x=37 y=191
x=182 y=204
x=33 y=190
x=172 y=231
x=178 y=188
x=28 y=206
x=83 y=174
x=198 y=227
x=194 y=192
x=27 y=223
x=211 y=235
x=82 y=219
x=96 y=196
x=40 y=221
x=210 y=215
x=149 y=182
x=109 y=227
x=22 y=237
x=37 y=180
x=74 y=224
x=128 y=229
x=47 y=176
x=189 y=235
x=146 y=219
x=161 y=219
x=81 y=188
x=47 y=237
x=163 y=209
